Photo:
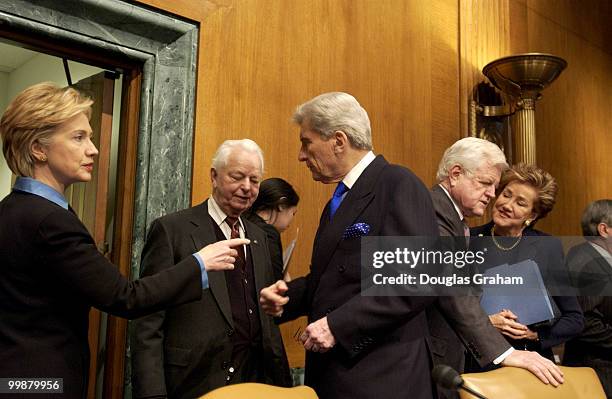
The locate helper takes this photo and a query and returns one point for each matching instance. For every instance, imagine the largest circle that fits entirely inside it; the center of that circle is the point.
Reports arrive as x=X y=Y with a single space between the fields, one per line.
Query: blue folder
x=529 y=301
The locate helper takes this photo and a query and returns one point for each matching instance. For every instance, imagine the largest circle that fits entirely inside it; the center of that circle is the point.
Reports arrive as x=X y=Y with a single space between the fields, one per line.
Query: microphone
x=449 y=378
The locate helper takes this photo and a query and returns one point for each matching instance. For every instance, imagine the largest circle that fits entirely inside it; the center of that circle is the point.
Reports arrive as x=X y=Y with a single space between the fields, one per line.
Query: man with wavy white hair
x=357 y=346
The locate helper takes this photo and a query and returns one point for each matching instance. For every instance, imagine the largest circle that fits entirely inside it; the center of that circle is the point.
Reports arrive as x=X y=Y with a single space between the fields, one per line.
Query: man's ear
x=604 y=230
x=340 y=141
x=213 y=177
x=453 y=174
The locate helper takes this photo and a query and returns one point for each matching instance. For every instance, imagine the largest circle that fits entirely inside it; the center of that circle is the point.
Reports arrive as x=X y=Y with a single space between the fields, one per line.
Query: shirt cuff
x=203 y=269
x=503 y=356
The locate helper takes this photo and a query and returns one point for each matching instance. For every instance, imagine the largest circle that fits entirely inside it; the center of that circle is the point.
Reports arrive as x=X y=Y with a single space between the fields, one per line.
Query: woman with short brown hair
x=51 y=272
x=526 y=194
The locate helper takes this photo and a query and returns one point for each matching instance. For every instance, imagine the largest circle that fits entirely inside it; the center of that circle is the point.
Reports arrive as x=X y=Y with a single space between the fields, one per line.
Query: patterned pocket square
x=356 y=230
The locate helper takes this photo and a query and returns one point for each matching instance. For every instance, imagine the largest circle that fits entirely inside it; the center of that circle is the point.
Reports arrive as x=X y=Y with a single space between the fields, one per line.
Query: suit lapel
x=323 y=222
x=446 y=212
x=331 y=234
x=357 y=199
x=601 y=262
x=202 y=235
x=257 y=256
x=258 y=260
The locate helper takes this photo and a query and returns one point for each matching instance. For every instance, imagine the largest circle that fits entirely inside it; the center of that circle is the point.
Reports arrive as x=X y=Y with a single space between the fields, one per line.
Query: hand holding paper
x=289 y=251
x=529 y=301
x=505 y=322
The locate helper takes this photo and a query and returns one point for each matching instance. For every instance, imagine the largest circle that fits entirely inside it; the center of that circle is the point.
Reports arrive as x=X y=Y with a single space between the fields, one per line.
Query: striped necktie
x=232 y=222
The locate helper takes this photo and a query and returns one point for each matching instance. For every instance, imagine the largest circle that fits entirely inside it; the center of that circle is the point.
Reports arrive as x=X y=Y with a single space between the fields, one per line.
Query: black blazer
x=592 y=348
x=457 y=323
x=50 y=275
x=185 y=351
x=548 y=254
x=381 y=348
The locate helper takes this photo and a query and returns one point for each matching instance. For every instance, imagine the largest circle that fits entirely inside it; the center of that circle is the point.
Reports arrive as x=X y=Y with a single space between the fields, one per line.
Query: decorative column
x=523 y=133
x=523 y=77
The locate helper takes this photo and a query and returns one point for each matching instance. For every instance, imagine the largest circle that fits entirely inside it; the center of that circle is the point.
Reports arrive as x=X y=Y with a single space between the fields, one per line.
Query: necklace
x=498 y=245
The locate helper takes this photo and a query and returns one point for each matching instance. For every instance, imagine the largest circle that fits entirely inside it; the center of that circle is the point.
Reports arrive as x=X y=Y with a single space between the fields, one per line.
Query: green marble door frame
x=165 y=48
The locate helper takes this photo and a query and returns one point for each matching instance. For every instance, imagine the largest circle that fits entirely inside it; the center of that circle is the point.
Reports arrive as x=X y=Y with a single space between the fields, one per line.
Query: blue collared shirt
x=203 y=269
x=33 y=186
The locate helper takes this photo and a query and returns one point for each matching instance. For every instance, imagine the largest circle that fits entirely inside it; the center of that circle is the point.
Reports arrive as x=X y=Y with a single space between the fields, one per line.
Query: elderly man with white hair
x=224 y=337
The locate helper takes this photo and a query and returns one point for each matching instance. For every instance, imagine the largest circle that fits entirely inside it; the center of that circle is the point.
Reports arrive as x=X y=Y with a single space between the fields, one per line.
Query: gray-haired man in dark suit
x=591 y=265
x=224 y=338
x=358 y=347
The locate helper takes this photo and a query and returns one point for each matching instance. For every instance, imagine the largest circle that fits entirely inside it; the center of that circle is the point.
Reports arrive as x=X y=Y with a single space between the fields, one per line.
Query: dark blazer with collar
x=449 y=222
x=458 y=322
x=185 y=351
x=381 y=348
x=548 y=254
x=50 y=274
x=593 y=347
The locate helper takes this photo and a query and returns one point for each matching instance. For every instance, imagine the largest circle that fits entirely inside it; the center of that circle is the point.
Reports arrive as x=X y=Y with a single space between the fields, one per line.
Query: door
x=90 y=200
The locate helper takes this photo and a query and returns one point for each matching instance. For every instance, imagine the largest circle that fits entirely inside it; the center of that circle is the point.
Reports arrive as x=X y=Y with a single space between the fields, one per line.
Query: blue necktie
x=337 y=198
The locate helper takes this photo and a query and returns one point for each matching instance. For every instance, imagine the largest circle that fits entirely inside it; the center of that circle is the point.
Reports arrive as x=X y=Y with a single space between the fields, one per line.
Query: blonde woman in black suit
x=526 y=194
x=50 y=270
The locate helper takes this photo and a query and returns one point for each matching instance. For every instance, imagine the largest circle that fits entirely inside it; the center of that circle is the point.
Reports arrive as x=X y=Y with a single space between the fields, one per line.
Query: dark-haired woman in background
x=526 y=194
x=273 y=211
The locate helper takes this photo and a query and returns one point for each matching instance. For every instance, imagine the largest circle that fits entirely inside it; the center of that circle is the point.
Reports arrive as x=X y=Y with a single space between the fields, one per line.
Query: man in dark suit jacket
x=467 y=176
x=591 y=265
x=357 y=346
x=223 y=338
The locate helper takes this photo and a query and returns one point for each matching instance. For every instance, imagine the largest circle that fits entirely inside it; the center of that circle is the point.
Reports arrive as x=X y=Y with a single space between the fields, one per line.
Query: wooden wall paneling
x=587 y=19
x=518 y=27
x=484 y=37
x=548 y=37
x=573 y=124
x=398 y=43
x=445 y=83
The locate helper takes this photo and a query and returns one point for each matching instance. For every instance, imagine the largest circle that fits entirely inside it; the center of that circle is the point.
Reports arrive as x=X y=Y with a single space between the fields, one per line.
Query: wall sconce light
x=522 y=77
